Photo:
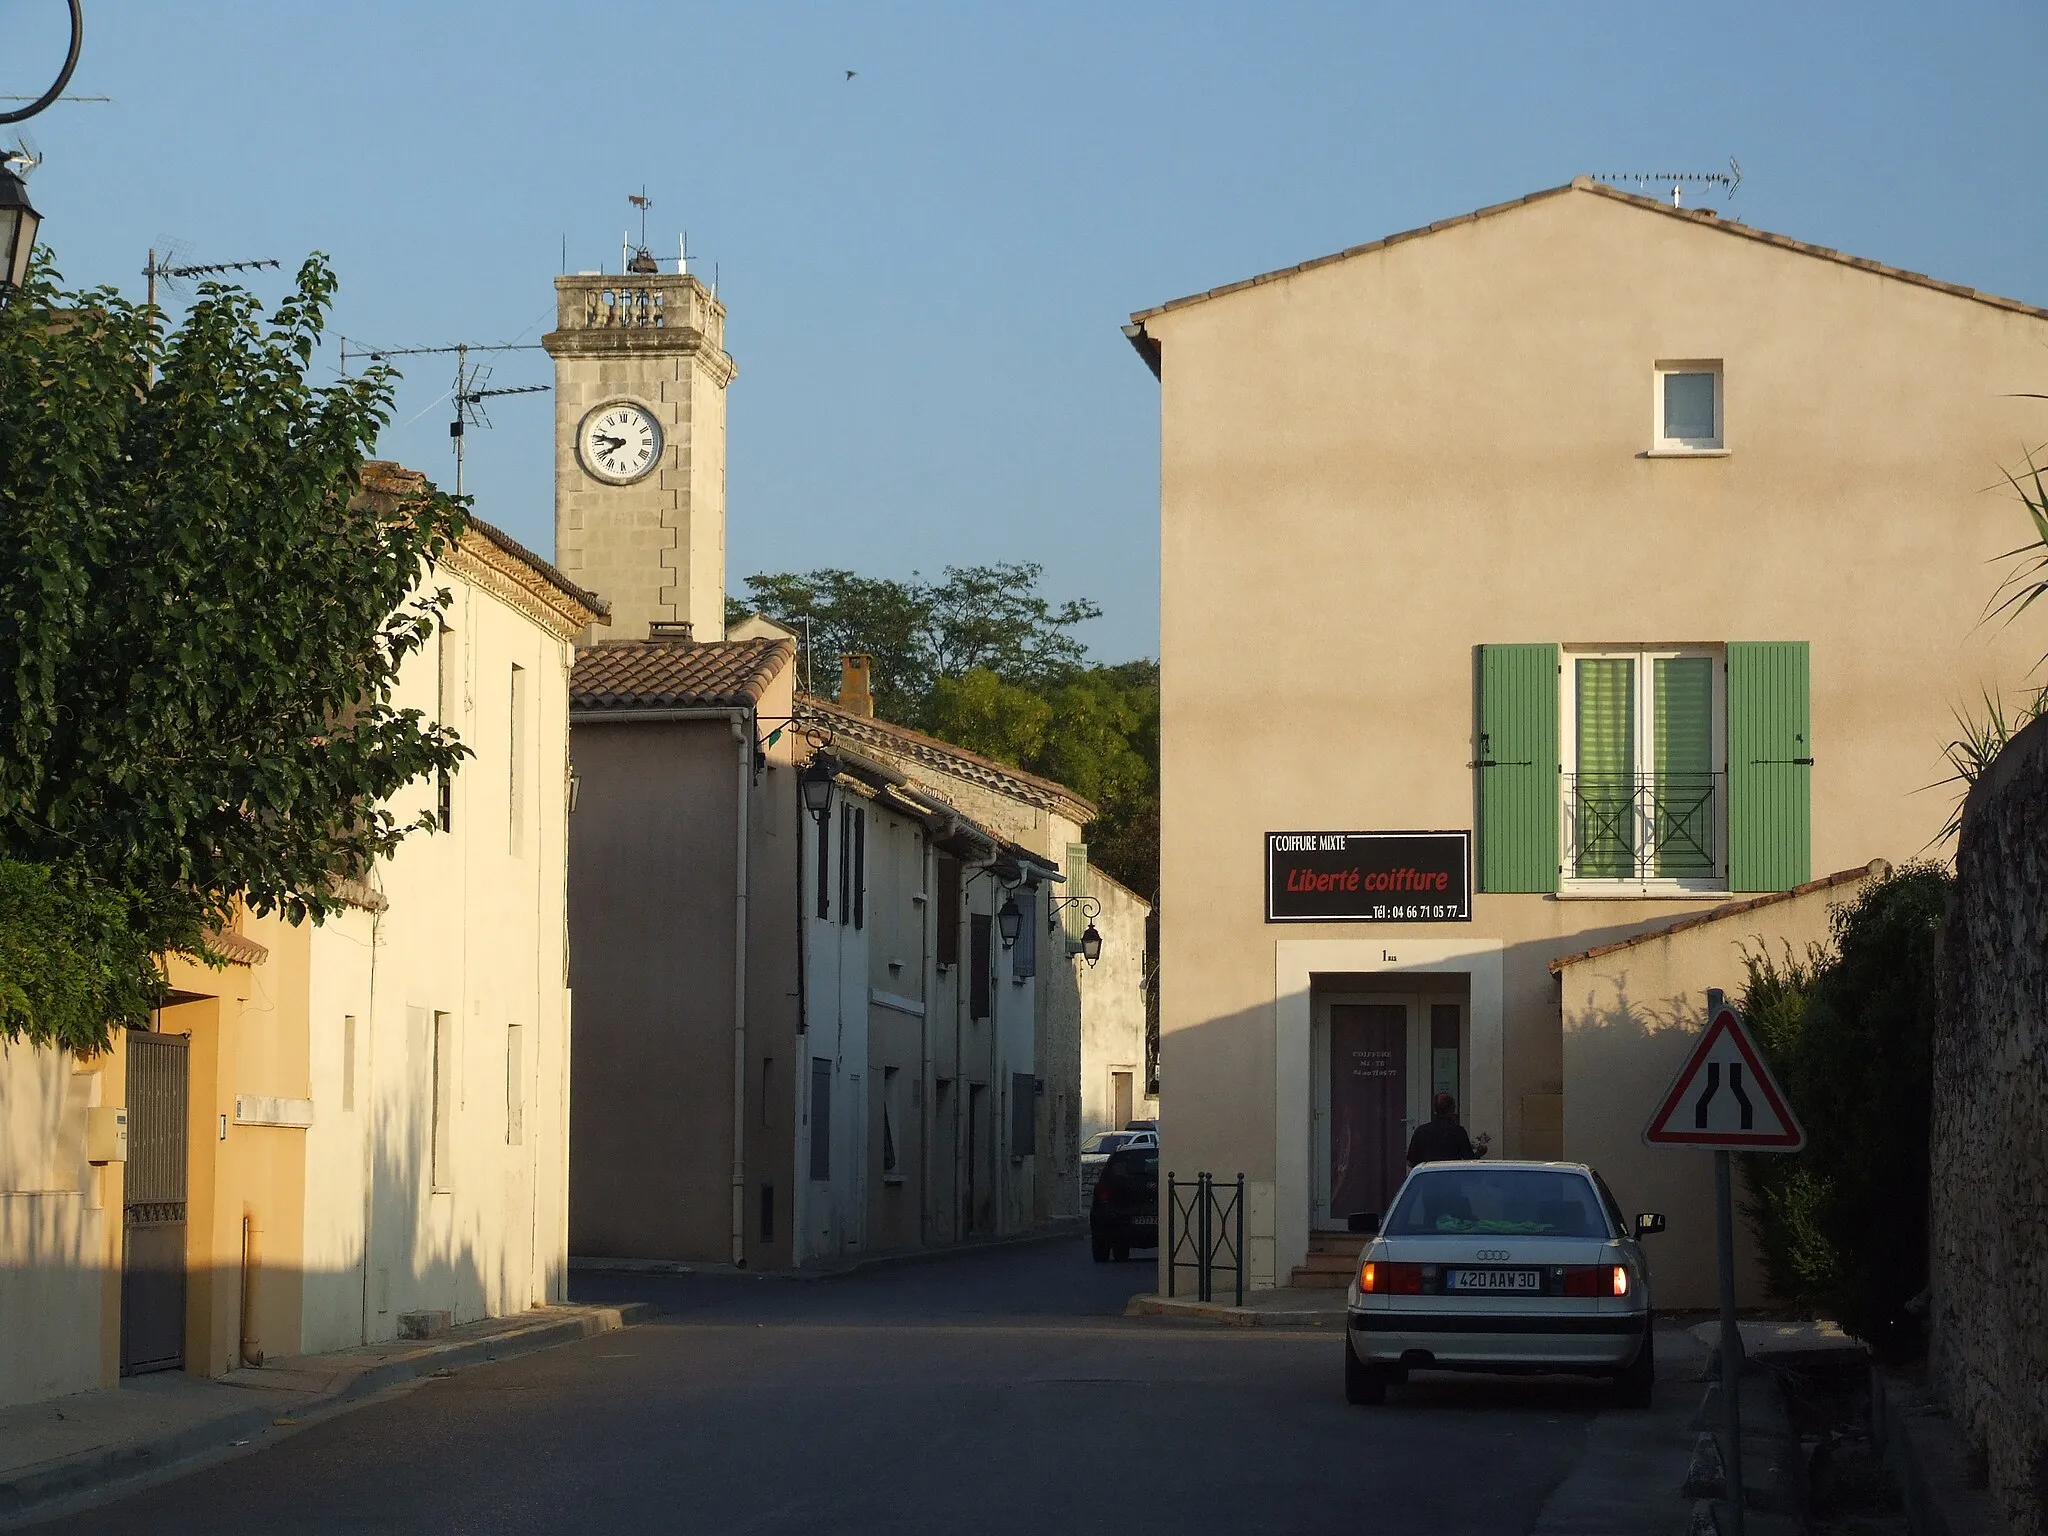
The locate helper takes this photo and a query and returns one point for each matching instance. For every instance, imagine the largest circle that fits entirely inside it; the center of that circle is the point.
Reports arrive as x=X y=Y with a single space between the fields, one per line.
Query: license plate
x=1494 y=1280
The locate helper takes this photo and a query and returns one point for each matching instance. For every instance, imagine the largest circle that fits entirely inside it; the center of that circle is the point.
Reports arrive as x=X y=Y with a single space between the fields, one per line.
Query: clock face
x=619 y=442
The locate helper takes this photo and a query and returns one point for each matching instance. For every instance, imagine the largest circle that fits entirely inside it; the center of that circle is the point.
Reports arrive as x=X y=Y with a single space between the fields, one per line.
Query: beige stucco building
x=1637 y=556
x=352 y=1128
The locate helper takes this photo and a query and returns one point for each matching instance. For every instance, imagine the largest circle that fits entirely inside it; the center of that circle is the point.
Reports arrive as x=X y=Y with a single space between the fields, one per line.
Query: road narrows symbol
x=1699 y=1111
x=1735 y=1087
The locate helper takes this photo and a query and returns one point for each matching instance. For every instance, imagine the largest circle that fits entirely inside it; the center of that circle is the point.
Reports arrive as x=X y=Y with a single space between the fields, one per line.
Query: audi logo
x=1493 y=1253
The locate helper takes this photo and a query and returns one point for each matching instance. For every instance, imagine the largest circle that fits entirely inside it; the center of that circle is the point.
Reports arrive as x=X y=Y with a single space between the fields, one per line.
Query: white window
x=1643 y=759
x=1689 y=408
x=442 y=1151
x=892 y=1126
x=348 y=1063
x=515 y=1088
x=516 y=775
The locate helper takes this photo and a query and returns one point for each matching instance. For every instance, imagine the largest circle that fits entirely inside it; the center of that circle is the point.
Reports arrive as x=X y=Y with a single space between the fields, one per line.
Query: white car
x=1096 y=1149
x=1487 y=1266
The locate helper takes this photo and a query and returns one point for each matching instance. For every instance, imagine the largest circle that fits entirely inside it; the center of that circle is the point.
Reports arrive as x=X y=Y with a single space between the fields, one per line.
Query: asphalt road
x=996 y=1392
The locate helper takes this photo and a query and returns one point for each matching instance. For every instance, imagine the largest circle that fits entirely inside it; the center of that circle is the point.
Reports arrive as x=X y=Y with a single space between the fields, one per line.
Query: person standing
x=1443 y=1139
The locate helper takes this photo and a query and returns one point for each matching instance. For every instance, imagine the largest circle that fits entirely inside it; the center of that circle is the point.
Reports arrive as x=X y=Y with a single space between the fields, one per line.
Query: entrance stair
x=1332 y=1261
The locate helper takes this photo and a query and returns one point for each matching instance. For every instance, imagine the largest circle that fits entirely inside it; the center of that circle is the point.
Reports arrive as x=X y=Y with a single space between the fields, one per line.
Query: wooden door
x=1368 y=1102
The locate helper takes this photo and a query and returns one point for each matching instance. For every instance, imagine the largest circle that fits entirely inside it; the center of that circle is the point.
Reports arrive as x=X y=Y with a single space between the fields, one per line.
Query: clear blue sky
x=927 y=266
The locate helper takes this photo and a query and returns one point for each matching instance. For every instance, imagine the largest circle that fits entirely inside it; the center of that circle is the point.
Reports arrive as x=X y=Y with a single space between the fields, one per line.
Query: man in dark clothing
x=1443 y=1140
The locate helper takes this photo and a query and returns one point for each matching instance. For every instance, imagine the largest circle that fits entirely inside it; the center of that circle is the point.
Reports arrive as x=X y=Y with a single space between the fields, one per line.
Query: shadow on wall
x=1621 y=1051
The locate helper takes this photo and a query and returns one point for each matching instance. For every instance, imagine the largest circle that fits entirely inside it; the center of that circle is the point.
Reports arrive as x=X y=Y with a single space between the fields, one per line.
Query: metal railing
x=1640 y=826
x=1205 y=1221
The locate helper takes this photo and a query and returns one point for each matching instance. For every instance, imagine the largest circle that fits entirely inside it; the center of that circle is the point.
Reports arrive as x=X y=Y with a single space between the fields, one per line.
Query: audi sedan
x=1502 y=1267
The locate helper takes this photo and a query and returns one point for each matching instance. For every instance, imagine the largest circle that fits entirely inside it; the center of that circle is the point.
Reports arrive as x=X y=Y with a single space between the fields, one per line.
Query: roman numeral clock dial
x=619 y=442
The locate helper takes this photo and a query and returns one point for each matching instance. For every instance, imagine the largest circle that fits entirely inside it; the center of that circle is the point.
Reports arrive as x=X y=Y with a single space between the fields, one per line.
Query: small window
x=516 y=773
x=821 y=1117
x=891 y=1115
x=348 y=1063
x=447 y=702
x=515 y=1088
x=1689 y=408
x=443 y=1087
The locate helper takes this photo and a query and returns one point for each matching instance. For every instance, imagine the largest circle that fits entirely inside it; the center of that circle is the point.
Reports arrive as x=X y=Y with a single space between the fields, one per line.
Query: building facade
x=350 y=1129
x=1626 y=562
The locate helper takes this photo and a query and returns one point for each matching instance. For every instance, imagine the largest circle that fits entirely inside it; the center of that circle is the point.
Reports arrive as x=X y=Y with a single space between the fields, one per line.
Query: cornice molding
x=645 y=341
x=516 y=584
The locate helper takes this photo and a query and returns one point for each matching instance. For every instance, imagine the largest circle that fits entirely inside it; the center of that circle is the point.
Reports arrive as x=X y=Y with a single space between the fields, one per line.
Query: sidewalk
x=1286 y=1307
x=1052 y=1230
x=81 y=1447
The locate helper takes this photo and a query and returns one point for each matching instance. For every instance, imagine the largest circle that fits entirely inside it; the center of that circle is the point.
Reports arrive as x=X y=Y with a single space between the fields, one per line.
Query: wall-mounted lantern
x=816 y=785
x=1010 y=921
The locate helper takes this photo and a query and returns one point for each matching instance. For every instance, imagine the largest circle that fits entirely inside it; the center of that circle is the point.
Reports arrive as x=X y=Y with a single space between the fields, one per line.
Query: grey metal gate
x=153 y=1218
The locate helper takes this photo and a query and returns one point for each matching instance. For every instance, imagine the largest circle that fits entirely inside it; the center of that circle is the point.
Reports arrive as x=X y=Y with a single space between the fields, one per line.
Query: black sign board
x=1368 y=877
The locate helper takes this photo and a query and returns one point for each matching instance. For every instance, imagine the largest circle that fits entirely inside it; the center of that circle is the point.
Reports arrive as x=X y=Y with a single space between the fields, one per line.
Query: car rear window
x=1132 y=1165
x=1105 y=1141
x=1531 y=1202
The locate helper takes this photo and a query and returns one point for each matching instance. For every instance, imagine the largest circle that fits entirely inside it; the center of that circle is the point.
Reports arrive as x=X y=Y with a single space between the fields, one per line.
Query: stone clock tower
x=640 y=377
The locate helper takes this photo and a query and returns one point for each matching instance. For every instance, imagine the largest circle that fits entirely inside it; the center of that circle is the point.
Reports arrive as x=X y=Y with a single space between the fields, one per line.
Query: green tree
x=1848 y=1032
x=201 y=620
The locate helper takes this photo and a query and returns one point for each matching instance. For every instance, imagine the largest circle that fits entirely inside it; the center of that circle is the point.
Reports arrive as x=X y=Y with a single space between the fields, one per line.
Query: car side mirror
x=1649 y=1224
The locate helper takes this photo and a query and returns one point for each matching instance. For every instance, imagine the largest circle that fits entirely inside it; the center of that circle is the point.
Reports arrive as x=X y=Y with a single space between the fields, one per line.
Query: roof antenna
x=1678 y=181
x=642 y=262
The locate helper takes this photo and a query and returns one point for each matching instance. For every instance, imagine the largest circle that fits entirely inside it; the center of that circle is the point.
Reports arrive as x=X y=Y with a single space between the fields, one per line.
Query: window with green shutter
x=1642 y=798
x=1517 y=767
x=1770 y=766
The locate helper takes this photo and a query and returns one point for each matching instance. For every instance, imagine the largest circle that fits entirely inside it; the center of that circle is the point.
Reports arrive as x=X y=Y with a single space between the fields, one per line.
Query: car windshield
x=1532 y=1202
x=1104 y=1141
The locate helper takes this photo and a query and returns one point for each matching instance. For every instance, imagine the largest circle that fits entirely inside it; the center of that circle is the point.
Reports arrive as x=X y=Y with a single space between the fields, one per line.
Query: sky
x=926 y=266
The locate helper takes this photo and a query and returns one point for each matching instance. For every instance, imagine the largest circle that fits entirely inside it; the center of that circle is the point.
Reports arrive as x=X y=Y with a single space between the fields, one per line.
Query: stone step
x=1330 y=1263
x=1320 y=1279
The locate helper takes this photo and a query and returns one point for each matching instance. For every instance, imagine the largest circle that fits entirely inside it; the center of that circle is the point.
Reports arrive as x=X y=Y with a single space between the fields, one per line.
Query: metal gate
x=153 y=1219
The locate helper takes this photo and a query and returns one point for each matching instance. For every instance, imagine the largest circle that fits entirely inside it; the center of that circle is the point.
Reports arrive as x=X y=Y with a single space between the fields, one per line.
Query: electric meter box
x=106 y=1135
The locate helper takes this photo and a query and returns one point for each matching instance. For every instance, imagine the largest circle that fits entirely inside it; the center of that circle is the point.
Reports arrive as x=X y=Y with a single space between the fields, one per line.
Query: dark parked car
x=1124 y=1211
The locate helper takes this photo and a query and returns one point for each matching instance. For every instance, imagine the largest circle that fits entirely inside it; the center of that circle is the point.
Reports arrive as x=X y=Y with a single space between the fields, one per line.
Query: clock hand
x=612 y=444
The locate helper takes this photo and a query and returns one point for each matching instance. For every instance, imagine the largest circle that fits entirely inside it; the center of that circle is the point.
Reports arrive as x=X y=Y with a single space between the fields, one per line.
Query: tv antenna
x=1678 y=181
x=639 y=259
x=471 y=388
x=175 y=271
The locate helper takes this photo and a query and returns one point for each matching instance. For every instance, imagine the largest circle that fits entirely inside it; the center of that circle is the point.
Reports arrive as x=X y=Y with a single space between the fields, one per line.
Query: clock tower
x=640 y=377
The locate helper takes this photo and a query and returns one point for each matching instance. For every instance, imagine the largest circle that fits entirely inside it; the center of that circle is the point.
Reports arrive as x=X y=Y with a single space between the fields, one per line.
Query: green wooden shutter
x=1517 y=767
x=1770 y=766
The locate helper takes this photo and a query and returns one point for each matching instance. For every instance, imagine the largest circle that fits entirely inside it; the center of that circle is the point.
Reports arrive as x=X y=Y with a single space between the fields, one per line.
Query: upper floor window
x=1642 y=743
x=1689 y=408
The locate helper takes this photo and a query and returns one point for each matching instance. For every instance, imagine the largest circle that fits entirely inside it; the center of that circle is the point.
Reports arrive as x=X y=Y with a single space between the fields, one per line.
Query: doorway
x=1378 y=1060
x=1120 y=1099
x=153 y=1208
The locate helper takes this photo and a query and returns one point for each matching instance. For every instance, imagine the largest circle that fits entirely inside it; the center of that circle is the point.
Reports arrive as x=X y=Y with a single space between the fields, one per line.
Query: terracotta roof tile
x=948 y=758
x=675 y=674
x=1876 y=869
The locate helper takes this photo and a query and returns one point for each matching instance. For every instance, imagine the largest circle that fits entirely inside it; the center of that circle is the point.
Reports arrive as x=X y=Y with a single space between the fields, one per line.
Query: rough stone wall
x=1989 y=1195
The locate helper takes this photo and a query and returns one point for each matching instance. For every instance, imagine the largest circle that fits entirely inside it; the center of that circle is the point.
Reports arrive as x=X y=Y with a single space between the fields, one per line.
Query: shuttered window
x=978 y=968
x=1517 y=767
x=1770 y=766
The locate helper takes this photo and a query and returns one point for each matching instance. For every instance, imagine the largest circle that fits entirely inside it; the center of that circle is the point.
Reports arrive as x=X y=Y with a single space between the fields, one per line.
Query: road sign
x=1724 y=1097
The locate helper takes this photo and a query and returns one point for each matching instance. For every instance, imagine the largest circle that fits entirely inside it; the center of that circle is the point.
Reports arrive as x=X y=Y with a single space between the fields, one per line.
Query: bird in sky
x=851 y=73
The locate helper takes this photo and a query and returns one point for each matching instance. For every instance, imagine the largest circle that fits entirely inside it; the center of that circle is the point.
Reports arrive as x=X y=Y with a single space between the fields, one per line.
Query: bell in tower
x=640 y=378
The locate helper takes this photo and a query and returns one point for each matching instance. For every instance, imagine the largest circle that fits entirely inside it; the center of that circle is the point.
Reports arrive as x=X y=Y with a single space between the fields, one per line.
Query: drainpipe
x=743 y=735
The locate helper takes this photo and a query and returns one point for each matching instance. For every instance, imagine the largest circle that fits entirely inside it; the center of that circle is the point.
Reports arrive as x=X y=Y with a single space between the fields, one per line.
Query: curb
x=1228 y=1316
x=30 y=1493
x=1070 y=1227
x=1930 y=1462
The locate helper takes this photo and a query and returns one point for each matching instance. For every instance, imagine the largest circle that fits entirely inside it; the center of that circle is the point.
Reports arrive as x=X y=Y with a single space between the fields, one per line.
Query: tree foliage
x=1848 y=1031
x=201 y=619
x=981 y=659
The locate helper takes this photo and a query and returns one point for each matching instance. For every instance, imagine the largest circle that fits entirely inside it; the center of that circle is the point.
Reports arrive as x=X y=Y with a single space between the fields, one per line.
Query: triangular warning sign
x=1724 y=1096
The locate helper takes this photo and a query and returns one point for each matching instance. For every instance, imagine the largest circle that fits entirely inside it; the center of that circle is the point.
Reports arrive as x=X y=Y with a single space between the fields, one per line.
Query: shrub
x=1848 y=1030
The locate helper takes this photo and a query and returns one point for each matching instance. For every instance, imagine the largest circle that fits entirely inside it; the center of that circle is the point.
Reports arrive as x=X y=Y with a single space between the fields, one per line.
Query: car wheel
x=1637 y=1385
x=1101 y=1246
x=1364 y=1385
x=1121 y=1252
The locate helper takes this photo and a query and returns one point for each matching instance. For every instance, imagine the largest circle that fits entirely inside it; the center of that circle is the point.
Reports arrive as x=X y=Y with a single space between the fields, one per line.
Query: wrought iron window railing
x=1639 y=826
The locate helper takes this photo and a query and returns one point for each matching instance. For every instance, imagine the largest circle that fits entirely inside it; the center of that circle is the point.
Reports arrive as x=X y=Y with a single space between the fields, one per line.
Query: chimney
x=674 y=631
x=855 y=694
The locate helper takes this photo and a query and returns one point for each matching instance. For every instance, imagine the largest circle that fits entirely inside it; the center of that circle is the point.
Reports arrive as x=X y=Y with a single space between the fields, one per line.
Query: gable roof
x=675 y=674
x=487 y=554
x=947 y=758
x=1148 y=348
x=1876 y=869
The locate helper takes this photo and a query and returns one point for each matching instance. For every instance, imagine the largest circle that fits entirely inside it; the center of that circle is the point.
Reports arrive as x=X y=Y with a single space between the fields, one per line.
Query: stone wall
x=1989 y=1196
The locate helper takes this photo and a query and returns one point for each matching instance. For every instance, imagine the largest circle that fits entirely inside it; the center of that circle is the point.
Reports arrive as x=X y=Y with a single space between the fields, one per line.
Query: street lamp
x=18 y=223
x=1091 y=937
x=1091 y=945
x=1010 y=921
x=816 y=785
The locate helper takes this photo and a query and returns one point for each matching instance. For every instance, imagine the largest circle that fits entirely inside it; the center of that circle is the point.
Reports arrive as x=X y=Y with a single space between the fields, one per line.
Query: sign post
x=1709 y=1104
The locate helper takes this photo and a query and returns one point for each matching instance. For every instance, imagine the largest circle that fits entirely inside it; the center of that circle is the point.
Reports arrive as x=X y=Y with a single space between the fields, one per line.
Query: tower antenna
x=471 y=381
x=176 y=272
x=1678 y=181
